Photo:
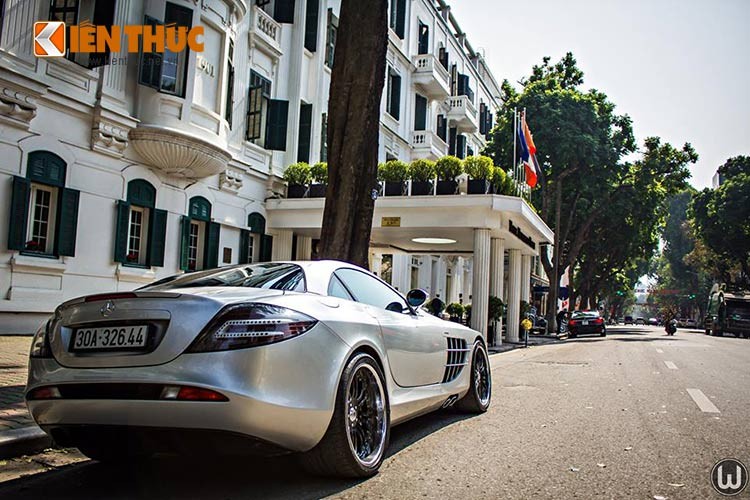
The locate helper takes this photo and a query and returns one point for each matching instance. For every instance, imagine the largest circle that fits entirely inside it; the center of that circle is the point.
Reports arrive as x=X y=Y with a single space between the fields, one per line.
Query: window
x=167 y=72
x=305 y=131
x=485 y=119
x=270 y=276
x=230 y=84
x=43 y=212
x=199 y=247
x=311 y=25
x=420 y=112
x=141 y=228
x=367 y=289
x=442 y=127
x=464 y=88
x=393 y=94
x=332 y=30
x=461 y=146
x=443 y=57
x=397 y=17
x=452 y=139
x=424 y=39
x=337 y=289
x=324 y=137
x=258 y=97
x=73 y=12
x=283 y=11
x=255 y=245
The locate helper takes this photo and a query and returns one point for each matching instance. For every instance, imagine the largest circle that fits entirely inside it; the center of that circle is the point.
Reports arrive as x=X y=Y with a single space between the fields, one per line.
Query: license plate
x=111 y=337
x=584 y=323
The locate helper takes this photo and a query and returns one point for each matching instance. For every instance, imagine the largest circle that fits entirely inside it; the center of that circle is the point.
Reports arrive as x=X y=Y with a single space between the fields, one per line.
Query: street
x=634 y=415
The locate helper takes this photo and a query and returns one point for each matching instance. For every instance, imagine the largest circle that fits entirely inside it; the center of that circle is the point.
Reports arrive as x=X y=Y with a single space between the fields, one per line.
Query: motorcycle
x=671 y=327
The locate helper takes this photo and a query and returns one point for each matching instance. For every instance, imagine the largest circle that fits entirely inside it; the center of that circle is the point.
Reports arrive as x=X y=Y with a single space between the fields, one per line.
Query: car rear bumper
x=583 y=330
x=282 y=394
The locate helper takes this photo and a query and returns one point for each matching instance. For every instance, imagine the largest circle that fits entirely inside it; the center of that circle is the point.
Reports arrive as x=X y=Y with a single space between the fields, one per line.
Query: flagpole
x=515 y=137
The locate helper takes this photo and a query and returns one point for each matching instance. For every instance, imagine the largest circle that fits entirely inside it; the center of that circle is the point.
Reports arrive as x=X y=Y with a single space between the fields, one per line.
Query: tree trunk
x=353 y=129
x=554 y=278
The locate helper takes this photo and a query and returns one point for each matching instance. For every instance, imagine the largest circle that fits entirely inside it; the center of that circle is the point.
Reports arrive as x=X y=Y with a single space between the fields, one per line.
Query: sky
x=679 y=68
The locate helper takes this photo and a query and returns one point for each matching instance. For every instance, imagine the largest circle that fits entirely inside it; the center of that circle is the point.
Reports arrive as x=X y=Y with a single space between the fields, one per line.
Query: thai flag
x=533 y=172
x=526 y=154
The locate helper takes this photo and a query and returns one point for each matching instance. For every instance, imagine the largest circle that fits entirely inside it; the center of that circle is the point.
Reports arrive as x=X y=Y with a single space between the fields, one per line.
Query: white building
x=154 y=163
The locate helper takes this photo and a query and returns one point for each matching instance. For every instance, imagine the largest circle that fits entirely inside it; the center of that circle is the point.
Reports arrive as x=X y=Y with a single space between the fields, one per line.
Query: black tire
x=479 y=397
x=334 y=455
x=108 y=453
x=603 y=334
x=572 y=335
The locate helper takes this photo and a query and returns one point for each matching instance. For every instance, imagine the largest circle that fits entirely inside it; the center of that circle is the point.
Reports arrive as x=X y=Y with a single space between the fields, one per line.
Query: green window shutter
x=184 y=241
x=283 y=11
x=121 y=230
x=461 y=146
x=395 y=96
x=305 y=129
x=19 y=213
x=157 y=237
x=276 y=124
x=256 y=223
x=266 y=247
x=67 y=222
x=420 y=113
x=244 y=243
x=311 y=25
x=400 y=18
x=212 y=245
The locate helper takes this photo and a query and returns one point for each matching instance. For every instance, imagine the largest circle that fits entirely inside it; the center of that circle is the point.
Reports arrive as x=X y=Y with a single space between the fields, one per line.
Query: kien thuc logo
x=49 y=39
x=54 y=38
x=729 y=477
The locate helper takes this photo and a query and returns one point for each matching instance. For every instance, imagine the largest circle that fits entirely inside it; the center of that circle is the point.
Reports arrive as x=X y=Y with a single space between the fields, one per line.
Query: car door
x=415 y=348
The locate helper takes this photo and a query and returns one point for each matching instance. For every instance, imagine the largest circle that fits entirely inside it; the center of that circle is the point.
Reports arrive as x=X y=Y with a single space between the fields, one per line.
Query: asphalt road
x=590 y=417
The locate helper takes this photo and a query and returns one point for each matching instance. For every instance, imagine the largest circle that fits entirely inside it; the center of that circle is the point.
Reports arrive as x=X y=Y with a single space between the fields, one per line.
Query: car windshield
x=585 y=315
x=275 y=276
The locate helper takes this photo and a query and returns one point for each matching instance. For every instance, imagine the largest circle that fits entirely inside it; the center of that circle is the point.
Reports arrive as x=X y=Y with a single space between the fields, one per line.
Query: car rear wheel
x=477 y=400
x=356 y=439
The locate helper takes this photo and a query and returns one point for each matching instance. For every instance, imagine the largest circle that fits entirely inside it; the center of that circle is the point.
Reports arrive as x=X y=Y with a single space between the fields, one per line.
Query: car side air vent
x=457 y=354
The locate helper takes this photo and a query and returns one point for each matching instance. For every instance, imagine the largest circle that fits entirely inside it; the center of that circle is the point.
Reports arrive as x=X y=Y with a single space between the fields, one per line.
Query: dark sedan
x=584 y=322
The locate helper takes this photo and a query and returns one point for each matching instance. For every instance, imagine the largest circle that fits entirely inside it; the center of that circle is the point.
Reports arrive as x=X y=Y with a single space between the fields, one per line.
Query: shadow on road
x=207 y=476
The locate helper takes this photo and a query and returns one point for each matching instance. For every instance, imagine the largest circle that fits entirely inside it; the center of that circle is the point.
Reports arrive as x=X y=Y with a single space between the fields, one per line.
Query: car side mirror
x=416 y=297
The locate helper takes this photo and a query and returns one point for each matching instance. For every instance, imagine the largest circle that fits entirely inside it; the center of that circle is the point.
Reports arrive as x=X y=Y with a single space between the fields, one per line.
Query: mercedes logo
x=107 y=308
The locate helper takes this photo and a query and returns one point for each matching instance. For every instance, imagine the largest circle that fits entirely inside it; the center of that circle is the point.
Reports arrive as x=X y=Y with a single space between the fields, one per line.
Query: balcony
x=427 y=144
x=265 y=33
x=462 y=113
x=431 y=76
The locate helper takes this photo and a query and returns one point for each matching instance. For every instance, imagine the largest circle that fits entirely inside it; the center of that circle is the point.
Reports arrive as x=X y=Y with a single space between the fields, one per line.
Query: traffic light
x=620 y=293
x=691 y=296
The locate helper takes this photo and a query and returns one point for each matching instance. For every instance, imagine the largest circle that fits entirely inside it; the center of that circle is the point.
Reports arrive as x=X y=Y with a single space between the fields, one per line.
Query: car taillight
x=572 y=322
x=187 y=393
x=598 y=321
x=40 y=347
x=46 y=392
x=110 y=296
x=250 y=325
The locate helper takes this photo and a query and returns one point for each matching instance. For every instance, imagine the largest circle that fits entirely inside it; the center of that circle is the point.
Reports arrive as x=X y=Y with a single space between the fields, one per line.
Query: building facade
x=123 y=168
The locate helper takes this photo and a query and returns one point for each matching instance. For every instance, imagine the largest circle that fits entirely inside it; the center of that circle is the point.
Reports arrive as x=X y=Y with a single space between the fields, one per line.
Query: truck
x=728 y=311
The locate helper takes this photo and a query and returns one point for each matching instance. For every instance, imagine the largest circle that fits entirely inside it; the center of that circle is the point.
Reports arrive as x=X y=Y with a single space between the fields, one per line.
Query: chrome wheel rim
x=482 y=380
x=365 y=415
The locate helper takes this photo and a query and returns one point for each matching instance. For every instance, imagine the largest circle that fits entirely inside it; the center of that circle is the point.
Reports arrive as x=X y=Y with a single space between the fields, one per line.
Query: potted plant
x=467 y=311
x=297 y=177
x=394 y=174
x=422 y=175
x=495 y=308
x=455 y=311
x=447 y=169
x=319 y=174
x=480 y=170
x=499 y=178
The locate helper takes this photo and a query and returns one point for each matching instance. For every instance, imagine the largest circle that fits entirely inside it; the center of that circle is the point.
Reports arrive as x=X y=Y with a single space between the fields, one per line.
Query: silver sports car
x=320 y=358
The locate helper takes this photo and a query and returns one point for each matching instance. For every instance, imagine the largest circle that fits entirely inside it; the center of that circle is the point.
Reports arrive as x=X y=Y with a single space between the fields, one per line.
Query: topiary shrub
x=319 y=172
x=297 y=174
x=498 y=179
x=393 y=171
x=422 y=170
x=455 y=310
x=448 y=168
x=479 y=167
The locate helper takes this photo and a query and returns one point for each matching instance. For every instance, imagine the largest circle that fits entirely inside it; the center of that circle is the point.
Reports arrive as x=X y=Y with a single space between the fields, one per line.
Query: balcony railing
x=428 y=144
x=266 y=32
x=463 y=113
x=431 y=76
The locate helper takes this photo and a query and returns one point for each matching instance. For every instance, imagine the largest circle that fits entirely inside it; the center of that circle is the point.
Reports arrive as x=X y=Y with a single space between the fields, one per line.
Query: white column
x=401 y=272
x=480 y=287
x=458 y=279
x=497 y=278
x=282 y=245
x=514 y=294
x=304 y=247
x=526 y=278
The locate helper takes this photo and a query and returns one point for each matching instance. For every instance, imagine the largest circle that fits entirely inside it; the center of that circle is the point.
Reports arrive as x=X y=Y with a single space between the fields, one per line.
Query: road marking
x=660 y=351
x=670 y=365
x=705 y=404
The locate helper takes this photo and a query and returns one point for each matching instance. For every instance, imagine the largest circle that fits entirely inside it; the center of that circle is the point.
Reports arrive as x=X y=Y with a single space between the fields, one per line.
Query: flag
x=525 y=155
x=534 y=164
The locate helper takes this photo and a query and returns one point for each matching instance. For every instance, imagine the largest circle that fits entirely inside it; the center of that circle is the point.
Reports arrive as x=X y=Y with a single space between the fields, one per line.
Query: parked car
x=628 y=320
x=653 y=321
x=320 y=358
x=640 y=321
x=691 y=323
x=584 y=322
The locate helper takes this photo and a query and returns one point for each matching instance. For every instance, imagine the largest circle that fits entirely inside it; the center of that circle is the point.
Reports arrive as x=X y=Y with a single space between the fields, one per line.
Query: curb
x=24 y=441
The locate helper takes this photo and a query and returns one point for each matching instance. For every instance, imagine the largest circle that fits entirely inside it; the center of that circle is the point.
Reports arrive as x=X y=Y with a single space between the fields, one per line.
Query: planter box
x=296 y=191
x=395 y=188
x=318 y=190
x=447 y=187
x=421 y=188
x=479 y=186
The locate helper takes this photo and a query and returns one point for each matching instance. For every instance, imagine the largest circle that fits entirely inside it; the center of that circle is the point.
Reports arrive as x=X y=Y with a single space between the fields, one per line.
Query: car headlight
x=40 y=347
x=250 y=325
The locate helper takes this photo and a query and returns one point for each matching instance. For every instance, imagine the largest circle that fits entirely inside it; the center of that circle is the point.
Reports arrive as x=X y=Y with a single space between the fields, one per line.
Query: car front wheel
x=477 y=400
x=356 y=439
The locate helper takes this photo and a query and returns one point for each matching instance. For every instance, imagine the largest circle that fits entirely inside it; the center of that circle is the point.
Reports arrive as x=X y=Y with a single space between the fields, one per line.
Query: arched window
x=199 y=245
x=44 y=213
x=255 y=244
x=141 y=227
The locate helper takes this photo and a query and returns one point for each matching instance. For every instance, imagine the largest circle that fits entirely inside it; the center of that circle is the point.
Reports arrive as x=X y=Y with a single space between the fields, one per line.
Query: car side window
x=336 y=289
x=369 y=290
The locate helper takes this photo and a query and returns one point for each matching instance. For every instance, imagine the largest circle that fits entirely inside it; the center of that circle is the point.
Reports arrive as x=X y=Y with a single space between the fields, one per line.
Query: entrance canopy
x=399 y=220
